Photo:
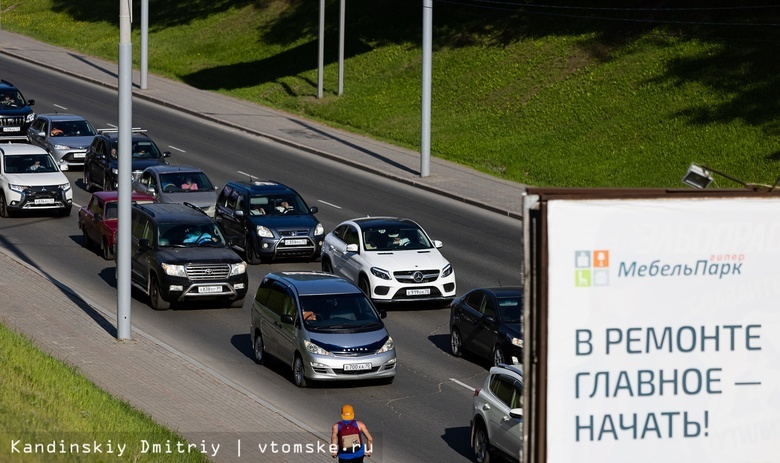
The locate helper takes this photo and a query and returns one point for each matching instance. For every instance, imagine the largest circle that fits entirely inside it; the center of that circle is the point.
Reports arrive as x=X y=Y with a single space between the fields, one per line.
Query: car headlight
x=517 y=342
x=237 y=269
x=17 y=188
x=381 y=273
x=314 y=348
x=61 y=147
x=319 y=230
x=65 y=186
x=447 y=271
x=30 y=117
x=264 y=232
x=115 y=171
x=389 y=345
x=174 y=270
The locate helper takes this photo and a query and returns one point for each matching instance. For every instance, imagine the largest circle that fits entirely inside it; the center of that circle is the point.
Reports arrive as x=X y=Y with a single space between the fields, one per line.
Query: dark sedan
x=488 y=323
x=98 y=220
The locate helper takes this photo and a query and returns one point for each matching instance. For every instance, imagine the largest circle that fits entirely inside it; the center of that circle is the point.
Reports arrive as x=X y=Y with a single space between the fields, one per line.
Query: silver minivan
x=323 y=326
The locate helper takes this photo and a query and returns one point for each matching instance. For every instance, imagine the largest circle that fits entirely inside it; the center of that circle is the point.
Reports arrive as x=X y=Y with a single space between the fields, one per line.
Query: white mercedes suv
x=31 y=180
x=391 y=259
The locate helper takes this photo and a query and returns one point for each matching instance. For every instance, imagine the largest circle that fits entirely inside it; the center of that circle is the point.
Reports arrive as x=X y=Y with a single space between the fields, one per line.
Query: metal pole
x=321 y=58
x=144 y=44
x=341 y=46
x=125 y=170
x=427 y=51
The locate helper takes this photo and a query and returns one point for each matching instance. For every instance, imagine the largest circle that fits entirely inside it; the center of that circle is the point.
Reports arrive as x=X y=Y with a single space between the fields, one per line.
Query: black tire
x=364 y=286
x=456 y=343
x=155 y=297
x=249 y=250
x=4 y=211
x=106 y=251
x=299 y=372
x=387 y=381
x=481 y=444
x=259 y=348
x=87 y=180
x=326 y=265
x=498 y=356
x=237 y=303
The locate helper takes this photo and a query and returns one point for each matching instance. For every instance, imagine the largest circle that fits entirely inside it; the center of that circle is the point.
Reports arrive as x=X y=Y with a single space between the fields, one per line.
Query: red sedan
x=98 y=220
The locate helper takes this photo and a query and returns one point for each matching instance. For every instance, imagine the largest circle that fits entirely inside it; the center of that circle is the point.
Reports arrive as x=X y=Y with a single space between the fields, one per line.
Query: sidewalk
x=176 y=390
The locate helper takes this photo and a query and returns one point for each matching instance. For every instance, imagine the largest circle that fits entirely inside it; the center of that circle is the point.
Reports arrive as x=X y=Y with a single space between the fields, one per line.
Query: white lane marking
x=61 y=107
x=329 y=204
x=177 y=149
x=462 y=384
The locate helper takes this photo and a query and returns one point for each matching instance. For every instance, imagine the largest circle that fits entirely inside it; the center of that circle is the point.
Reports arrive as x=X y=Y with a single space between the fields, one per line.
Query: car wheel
x=456 y=343
x=237 y=303
x=498 y=356
x=481 y=444
x=299 y=377
x=4 y=211
x=259 y=348
x=158 y=303
x=326 y=266
x=365 y=286
x=87 y=180
x=249 y=250
x=106 y=251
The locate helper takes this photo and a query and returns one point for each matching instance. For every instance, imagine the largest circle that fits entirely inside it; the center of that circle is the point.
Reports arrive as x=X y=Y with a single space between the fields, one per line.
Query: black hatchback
x=268 y=221
x=488 y=323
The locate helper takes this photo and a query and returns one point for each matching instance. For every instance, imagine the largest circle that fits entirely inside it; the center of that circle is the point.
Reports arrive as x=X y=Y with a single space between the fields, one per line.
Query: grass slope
x=539 y=95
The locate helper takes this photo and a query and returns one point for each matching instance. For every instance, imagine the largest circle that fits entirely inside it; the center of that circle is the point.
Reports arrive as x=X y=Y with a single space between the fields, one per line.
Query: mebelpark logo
x=591 y=268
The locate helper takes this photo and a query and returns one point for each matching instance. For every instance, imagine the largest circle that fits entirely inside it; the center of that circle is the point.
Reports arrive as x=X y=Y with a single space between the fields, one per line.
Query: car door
x=99 y=162
x=142 y=228
x=33 y=133
x=271 y=323
x=485 y=332
x=504 y=430
x=350 y=262
x=469 y=316
x=94 y=221
x=227 y=204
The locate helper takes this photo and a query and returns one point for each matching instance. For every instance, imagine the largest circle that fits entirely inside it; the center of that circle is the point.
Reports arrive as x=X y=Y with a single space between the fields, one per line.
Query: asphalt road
x=424 y=415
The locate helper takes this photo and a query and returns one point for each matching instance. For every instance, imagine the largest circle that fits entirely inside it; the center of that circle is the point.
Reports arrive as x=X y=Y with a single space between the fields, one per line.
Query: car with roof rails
x=16 y=115
x=497 y=415
x=65 y=136
x=101 y=164
x=270 y=221
x=98 y=220
x=391 y=259
x=30 y=180
x=178 y=184
x=178 y=254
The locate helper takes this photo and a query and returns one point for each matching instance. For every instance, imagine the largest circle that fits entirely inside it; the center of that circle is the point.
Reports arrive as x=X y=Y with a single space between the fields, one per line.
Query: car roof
x=261 y=186
x=21 y=149
x=166 y=168
x=113 y=134
x=174 y=213
x=387 y=222
x=501 y=291
x=513 y=370
x=63 y=117
x=5 y=85
x=113 y=195
x=309 y=283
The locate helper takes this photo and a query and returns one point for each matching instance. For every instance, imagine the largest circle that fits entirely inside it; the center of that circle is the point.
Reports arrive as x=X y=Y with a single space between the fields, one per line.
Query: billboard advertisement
x=663 y=330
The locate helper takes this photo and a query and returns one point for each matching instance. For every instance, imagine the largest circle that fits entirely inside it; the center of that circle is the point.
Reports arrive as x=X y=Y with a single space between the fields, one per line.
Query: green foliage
x=567 y=99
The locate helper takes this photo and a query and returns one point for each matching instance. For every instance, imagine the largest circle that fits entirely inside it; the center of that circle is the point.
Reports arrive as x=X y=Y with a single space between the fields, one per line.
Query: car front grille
x=208 y=271
x=416 y=276
x=12 y=121
x=288 y=233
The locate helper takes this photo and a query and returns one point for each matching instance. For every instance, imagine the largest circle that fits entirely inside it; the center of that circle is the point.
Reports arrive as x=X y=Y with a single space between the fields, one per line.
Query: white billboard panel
x=663 y=330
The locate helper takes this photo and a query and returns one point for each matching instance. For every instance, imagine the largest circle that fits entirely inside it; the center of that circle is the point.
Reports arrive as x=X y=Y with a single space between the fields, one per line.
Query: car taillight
x=476 y=391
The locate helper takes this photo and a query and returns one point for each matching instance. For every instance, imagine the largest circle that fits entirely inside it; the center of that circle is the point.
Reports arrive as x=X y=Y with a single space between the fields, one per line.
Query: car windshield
x=277 y=205
x=29 y=164
x=72 y=129
x=11 y=99
x=401 y=237
x=510 y=309
x=190 y=235
x=142 y=149
x=338 y=311
x=178 y=182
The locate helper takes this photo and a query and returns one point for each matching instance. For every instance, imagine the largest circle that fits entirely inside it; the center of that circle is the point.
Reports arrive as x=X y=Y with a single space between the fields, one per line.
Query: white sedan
x=391 y=259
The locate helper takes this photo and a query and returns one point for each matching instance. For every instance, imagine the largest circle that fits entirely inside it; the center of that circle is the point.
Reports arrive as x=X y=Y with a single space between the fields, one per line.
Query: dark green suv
x=179 y=254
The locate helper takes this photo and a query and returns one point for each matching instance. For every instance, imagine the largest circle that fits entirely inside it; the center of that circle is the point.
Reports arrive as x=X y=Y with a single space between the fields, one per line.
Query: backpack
x=350 y=438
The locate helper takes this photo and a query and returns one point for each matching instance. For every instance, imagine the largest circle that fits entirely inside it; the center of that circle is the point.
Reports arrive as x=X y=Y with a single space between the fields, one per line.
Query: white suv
x=30 y=180
x=497 y=415
x=390 y=259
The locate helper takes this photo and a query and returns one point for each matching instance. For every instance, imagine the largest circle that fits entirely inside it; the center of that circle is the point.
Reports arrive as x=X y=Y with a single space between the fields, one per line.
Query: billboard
x=661 y=326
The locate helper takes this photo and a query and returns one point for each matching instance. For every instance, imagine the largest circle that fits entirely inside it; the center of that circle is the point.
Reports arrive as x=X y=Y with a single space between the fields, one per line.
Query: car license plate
x=357 y=366
x=44 y=201
x=78 y=155
x=12 y=129
x=418 y=292
x=210 y=289
x=294 y=242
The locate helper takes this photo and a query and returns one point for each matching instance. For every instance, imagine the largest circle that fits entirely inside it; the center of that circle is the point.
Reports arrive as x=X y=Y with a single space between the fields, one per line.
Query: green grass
x=43 y=401
x=542 y=100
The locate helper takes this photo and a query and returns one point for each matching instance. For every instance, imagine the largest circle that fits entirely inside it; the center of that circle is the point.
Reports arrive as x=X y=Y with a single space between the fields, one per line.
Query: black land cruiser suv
x=269 y=220
x=179 y=254
x=15 y=113
x=101 y=164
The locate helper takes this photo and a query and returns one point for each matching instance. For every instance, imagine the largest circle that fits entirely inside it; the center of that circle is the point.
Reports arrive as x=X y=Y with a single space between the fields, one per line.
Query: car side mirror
x=314 y=210
x=286 y=318
x=383 y=313
x=151 y=190
x=40 y=134
x=516 y=413
x=488 y=320
x=166 y=154
x=63 y=167
x=30 y=102
x=352 y=248
x=239 y=213
x=233 y=240
x=437 y=244
x=98 y=216
x=143 y=244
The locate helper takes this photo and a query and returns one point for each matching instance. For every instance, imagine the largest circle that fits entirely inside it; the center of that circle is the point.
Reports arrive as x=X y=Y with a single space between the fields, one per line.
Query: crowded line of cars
x=336 y=314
